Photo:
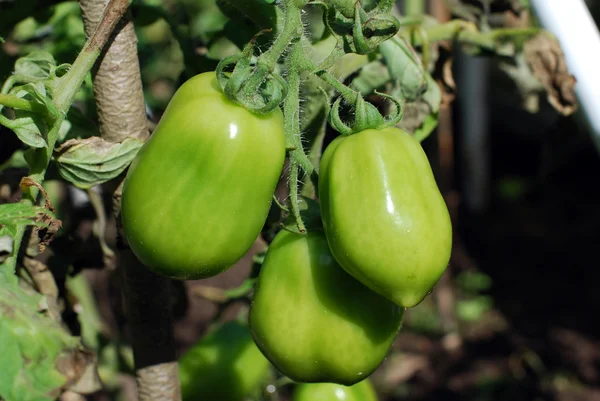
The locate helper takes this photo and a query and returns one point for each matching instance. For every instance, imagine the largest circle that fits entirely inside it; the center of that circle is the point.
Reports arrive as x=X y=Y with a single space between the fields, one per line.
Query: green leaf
x=208 y=23
x=433 y=95
x=18 y=214
x=36 y=66
x=32 y=347
x=30 y=128
x=17 y=160
x=348 y=64
x=472 y=309
x=36 y=91
x=63 y=131
x=405 y=67
x=240 y=291
x=93 y=161
x=429 y=124
x=421 y=115
x=6 y=246
x=473 y=282
x=372 y=76
x=88 y=315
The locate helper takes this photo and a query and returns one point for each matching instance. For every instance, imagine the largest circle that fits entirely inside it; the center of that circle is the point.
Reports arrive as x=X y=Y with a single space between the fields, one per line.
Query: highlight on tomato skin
x=385 y=219
x=315 y=322
x=199 y=191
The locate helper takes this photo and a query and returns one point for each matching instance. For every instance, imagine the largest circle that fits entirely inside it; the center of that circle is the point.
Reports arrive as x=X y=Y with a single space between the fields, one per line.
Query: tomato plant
x=207 y=174
x=315 y=322
x=223 y=365
x=231 y=94
x=361 y=391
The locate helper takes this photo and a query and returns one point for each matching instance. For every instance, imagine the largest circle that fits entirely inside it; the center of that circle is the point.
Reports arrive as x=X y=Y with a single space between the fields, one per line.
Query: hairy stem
x=292 y=130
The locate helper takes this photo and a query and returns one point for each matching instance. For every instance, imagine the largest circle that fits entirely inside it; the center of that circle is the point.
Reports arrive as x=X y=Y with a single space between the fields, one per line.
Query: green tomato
x=361 y=391
x=224 y=365
x=384 y=217
x=315 y=322
x=198 y=192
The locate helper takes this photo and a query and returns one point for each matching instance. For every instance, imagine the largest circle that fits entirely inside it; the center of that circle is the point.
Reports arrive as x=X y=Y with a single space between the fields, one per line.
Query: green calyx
x=362 y=31
x=366 y=116
x=369 y=31
x=257 y=88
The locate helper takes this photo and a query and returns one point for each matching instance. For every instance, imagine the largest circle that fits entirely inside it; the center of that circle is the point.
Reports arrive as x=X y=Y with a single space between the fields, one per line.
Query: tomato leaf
x=29 y=127
x=36 y=352
x=433 y=95
x=35 y=66
x=93 y=161
x=427 y=127
x=20 y=213
x=405 y=67
x=6 y=245
x=17 y=160
x=372 y=76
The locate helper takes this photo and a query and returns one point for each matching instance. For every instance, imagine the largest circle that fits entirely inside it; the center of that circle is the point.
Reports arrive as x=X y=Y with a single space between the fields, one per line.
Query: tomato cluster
x=328 y=304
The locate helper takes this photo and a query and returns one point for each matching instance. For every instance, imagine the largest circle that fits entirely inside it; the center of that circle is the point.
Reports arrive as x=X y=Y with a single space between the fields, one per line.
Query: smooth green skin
x=312 y=320
x=384 y=217
x=224 y=365
x=362 y=391
x=199 y=191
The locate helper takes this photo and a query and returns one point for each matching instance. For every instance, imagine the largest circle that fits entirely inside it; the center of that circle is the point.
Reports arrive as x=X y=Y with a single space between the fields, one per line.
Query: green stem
x=292 y=29
x=489 y=40
x=6 y=87
x=70 y=83
x=21 y=104
x=279 y=204
x=422 y=35
x=292 y=129
x=466 y=32
x=294 y=196
x=348 y=94
x=414 y=7
x=8 y=84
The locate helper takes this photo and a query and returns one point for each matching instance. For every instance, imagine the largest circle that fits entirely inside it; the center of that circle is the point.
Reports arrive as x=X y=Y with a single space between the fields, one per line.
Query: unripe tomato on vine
x=198 y=193
x=361 y=391
x=314 y=321
x=385 y=219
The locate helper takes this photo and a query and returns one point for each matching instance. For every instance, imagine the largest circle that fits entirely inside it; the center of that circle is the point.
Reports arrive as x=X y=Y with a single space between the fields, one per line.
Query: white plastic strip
x=571 y=22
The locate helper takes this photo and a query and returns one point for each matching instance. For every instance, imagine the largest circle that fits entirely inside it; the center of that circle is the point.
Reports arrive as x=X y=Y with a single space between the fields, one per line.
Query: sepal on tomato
x=366 y=116
x=254 y=87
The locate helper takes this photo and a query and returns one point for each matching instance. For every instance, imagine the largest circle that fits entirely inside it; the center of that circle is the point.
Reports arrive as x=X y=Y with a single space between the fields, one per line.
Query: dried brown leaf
x=545 y=57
